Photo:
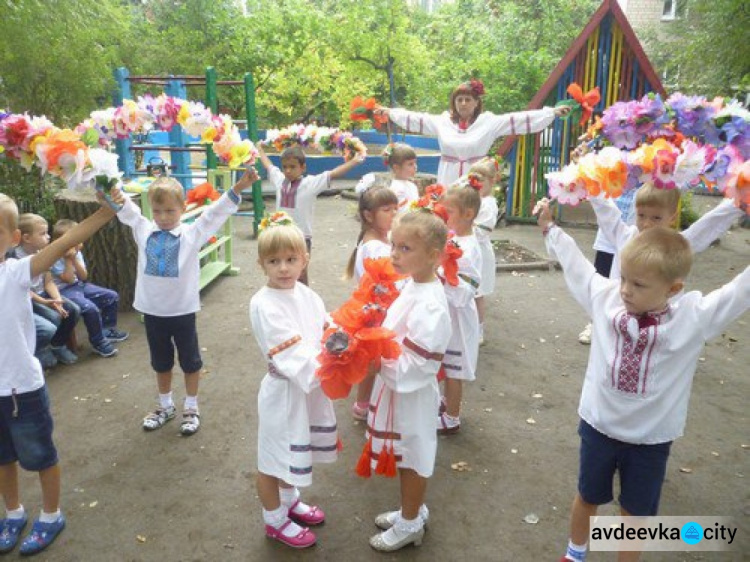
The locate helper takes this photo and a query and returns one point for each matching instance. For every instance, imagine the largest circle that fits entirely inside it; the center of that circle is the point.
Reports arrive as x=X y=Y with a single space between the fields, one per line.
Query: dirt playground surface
x=132 y=495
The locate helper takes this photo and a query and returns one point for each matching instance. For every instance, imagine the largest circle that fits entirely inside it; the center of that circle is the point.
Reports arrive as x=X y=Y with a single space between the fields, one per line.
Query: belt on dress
x=461 y=161
x=421 y=351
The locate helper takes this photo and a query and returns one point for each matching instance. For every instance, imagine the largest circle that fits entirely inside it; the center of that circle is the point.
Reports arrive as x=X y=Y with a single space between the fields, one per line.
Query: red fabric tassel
x=363 y=465
x=339 y=444
x=382 y=465
x=390 y=465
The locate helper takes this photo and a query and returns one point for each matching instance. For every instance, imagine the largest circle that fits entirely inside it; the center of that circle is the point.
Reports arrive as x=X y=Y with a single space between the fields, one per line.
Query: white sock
x=191 y=403
x=278 y=517
x=45 y=517
x=15 y=513
x=288 y=496
x=424 y=513
x=165 y=400
x=401 y=529
x=576 y=552
x=450 y=421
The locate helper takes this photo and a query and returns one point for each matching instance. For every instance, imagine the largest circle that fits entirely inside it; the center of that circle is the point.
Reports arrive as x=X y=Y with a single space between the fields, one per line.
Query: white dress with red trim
x=406 y=191
x=405 y=396
x=460 y=148
x=372 y=249
x=297 y=198
x=484 y=224
x=461 y=357
x=296 y=421
x=640 y=370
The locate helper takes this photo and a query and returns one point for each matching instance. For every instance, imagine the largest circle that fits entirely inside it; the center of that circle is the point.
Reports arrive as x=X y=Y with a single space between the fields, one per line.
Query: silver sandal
x=191 y=422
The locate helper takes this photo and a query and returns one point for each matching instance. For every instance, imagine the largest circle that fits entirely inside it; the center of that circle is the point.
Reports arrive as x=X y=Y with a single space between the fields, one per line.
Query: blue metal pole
x=125 y=160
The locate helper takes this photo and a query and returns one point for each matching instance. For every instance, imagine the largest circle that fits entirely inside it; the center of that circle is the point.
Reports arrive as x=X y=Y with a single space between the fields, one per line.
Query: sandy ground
x=132 y=495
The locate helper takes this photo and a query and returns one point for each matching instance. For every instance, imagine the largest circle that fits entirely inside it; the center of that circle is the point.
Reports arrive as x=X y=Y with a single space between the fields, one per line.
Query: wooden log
x=111 y=254
x=422 y=180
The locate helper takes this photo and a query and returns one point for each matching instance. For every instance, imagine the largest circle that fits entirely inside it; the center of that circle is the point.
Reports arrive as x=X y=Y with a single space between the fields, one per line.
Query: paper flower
x=449 y=262
x=566 y=186
x=618 y=125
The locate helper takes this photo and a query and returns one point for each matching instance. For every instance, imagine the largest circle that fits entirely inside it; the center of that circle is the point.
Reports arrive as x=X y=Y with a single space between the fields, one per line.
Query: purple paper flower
x=619 y=125
x=694 y=117
x=737 y=132
x=650 y=116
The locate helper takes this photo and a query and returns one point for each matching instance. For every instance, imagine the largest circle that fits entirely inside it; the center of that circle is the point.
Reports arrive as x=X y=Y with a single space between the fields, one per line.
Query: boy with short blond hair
x=648 y=336
x=167 y=287
x=25 y=416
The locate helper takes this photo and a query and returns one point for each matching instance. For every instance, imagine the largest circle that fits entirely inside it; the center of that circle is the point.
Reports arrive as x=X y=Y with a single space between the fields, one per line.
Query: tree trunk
x=111 y=254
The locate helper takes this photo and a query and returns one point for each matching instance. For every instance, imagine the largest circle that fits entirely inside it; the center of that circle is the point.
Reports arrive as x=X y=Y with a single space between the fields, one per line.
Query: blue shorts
x=641 y=467
x=26 y=430
x=164 y=333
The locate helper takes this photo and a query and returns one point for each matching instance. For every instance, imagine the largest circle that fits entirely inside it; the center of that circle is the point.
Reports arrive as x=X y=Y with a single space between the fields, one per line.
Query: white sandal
x=158 y=418
x=191 y=422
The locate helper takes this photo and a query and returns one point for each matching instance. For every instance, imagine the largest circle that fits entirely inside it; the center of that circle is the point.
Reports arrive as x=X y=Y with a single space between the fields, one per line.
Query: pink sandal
x=313 y=517
x=304 y=539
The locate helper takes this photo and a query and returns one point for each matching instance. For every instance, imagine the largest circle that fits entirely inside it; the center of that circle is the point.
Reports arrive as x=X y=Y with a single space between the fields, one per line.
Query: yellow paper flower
x=209 y=135
x=184 y=114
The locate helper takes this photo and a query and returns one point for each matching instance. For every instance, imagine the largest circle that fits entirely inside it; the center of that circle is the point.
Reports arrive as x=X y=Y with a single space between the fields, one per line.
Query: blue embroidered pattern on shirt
x=162 y=254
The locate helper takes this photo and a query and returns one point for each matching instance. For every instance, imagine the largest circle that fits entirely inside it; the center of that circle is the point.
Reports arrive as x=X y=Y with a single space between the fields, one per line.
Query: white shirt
x=699 y=235
x=638 y=379
x=372 y=249
x=406 y=191
x=300 y=203
x=460 y=149
x=37 y=283
x=20 y=371
x=176 y=291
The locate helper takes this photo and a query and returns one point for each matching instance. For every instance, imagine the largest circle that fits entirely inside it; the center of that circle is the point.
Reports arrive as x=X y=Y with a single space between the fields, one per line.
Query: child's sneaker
x=64 y=355
x=41 y=536
x=10 y=531
x=585 y=336
x=191 y=422
x=115 y=335
x=158 y=418
x=46 y=358
x=104 y=348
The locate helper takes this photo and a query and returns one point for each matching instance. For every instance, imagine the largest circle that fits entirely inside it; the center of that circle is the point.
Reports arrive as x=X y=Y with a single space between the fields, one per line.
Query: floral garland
x=674 y=144
x=82 y=156
x=279 y=218
x=322 y=139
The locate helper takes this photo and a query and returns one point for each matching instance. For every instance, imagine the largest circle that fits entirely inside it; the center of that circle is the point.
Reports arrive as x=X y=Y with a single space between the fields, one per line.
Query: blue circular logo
x=691 y=533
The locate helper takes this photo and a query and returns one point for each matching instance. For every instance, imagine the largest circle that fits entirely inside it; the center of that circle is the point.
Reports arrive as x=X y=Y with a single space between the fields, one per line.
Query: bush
x=31 y=192
x=688 y=214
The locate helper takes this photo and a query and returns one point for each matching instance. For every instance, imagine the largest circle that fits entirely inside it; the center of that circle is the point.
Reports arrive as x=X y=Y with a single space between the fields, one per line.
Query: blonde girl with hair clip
x=486 y=173
x=377 y=208
x=402 y=161
x=296 y=421
x=405 y=396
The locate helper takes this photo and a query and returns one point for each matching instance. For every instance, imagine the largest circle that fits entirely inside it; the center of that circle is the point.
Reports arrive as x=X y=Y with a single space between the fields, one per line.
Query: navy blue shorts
x=26 y=430
x=641 y=467
x=164 y=333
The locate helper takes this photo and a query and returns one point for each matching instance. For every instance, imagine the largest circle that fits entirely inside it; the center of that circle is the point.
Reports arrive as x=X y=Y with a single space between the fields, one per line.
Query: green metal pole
x=212 y=101
x=252 y=133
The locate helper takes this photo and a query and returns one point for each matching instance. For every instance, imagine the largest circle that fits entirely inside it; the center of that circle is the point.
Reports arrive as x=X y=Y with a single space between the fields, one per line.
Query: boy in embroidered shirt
x=98 y=304
x=462 y=203
x=295 y=192
x=168 y=285
x=25 y=417
x=648 y=336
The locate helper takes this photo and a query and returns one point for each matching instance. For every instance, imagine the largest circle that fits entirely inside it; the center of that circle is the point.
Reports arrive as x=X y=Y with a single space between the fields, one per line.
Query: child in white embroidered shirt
x=406 y=394
x=461 y=202
x=168 y=285
x=377 y=208
x=296 y=192
x=296 y=421
x=402 y=161
x=648 y=336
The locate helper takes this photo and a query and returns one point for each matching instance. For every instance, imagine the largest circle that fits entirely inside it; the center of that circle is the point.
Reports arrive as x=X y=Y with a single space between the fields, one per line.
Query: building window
x=673 y=9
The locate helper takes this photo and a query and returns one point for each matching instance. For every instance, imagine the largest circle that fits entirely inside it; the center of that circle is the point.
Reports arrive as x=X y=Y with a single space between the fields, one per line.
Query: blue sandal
x=10 y=531
x=41 y=536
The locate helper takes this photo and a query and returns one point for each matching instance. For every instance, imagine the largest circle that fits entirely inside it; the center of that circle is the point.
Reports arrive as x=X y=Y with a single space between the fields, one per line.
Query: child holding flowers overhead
x=296 y=421
x=295 y=192
x=405 y=396
x=402 y=161
x=168 y=284
x=464 y=132
x=377 y=208
x=461 y=203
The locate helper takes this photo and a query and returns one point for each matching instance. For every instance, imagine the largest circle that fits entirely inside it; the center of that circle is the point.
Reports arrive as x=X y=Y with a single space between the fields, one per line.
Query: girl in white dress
x=402 y=161
x=377 y=208
x=464 y=132
x=484 y=224
x=296 y=421
x=401 y=422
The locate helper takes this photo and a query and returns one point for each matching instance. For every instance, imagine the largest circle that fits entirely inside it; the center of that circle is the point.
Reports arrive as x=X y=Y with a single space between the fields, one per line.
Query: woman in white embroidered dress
x=464 y=132
x=296 y=421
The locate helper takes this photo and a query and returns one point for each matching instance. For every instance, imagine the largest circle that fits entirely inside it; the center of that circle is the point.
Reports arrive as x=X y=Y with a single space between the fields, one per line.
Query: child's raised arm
x=45 y=258
x=247 y=180
x=265 y=160
x=339 y=171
